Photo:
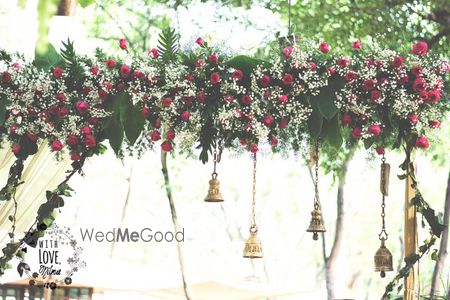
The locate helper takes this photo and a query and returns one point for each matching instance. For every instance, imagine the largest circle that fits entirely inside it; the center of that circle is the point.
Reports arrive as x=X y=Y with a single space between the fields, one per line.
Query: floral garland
x=204 y=98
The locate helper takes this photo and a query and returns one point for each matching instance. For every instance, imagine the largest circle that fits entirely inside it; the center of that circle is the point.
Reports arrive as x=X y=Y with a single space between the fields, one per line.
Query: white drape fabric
x=41 y=172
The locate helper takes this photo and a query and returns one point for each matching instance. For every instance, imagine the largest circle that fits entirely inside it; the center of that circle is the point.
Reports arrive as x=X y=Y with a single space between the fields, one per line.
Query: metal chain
x=253 y=227
x=383 y=204
x=215 y=158
x=316 y=179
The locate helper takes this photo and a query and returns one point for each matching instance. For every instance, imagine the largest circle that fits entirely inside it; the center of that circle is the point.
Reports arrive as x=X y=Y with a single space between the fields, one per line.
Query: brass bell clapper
x=253 y=248
x=316 y=225
x=383 y=257
x=214 y=194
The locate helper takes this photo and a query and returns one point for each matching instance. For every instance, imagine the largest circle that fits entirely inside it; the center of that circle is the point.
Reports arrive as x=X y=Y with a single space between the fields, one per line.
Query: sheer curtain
x=41 y=172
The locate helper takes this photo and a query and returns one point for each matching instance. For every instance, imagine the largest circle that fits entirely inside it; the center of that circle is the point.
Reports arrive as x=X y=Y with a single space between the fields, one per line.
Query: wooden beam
x=410 y=233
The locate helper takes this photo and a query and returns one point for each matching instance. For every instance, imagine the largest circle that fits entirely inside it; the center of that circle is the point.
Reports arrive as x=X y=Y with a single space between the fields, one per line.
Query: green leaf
x=114 y=132
x=3 y=107
x=168 y=44
x=246 y=64
x=331 y=133
x=327 y=97
x=368 y=143
x=315 y=122
x=48 y=59
x=134 y=124
x=85 y=3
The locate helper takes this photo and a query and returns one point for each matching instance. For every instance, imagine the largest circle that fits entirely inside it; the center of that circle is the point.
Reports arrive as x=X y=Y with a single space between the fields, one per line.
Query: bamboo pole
x=410 y=231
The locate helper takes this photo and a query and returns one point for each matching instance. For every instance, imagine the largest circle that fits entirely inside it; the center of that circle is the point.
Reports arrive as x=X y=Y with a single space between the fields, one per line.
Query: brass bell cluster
x=316 y=224
x=383 y=257
x=253 y=247
x=214 y=194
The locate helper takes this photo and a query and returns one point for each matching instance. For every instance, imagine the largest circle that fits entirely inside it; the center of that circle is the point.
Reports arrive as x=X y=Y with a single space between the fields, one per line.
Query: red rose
x=32 y=137
x=420 y=48
x=246 y=100
x=214 y=78
x=423 y=94
x=243 y=142
x=422 y=142
x=287 y=51
x=93 y=120
x=15 y=149
x=375 y=129
x=201 y=97
x=82 y=107
x=357 y=45
x=108 y=85
x=57 y=145
x=254 y=148
x=123 y=44
x=75 y=156
x=357 y=133
x=229 y=99
x=404 y=78
x=274 y=141
x=200 y=41
x=166 y=146
x=375 y=96
x=324 y=47
x=200 y=64
x=416 y=70
x=57 y=72
x=434 y=124
x=350 y=76
x=380 y=150
x=63 y=112
x=187 y=100
x=343 y=62
x=153 y=53
x=170 y=135
x=433 y=97
x=121 y=86
x=214 y=58
x=265 y=81
x=125 y=71
x=157 y=123
x=155 y=135
x=110 y=64
x=72 y=140
x=419 y=84
x=238 y=75
x=398 y=61
x=283 y=99
x=331 y=71
x=94 y=70
x=346 y=119
x=312 y=66
x=86 y=130
x=166 y=102
x=145 y=111
x=283 y=123
x=6 y=77
x=87 y=90
x=102 y=94
x=185 y=115
x=368 y=84
x=60 y=97
x=268 y=120
x=189 y=77
x=90 y=141
x=413 y=118
x=287 y=79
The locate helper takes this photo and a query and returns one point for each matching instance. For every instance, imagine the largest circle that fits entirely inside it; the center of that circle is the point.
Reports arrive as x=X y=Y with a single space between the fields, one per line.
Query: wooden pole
x=410 y=231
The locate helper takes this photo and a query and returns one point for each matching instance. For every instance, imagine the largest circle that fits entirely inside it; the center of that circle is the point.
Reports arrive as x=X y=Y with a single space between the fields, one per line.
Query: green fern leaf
x=168 y=44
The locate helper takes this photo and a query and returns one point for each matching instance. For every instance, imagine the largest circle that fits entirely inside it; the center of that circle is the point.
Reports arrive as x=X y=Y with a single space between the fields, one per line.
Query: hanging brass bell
x=316 y=225
x=214 y=194
x=383 y=260
x=253 y=248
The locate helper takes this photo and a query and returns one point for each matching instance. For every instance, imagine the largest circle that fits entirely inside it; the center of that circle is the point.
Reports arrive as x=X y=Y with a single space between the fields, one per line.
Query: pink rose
x=145 y=111
x=343 y=62
x=254 y=148
x=423 y=94
x=102 y=94
x=238 y=75
x=420 y=48
x=125 y=71
x=375 y=96
x=413 y=118
x=121 y=86
x=265 y=81
x=72 y=140
x=419 y=84
x=187 y=100
x=246 y=100
x=283 y=123
x=57 y=72
x=75 y=156
x=214 y=58
x=331 y=71
x=86 y=130
x=123 y=44
x=166 y=146
x=416 y=70
x=110 y=64
x=312 y=66
x=201 y=97
x=200 y=64
x=200 y=41
x=57 y=145
x=422 y=142
x=268 y=120
x=90 y=141
x=170 y=135
x=357 y=133
x=324 y=47
x=94 y=70
x=346 y=119
x=283 y=99
x=229 y=99
x=153 y=53
x=380 y=150
x=155 y=135
x=398 y=61
x=287 y=51
x=433 y=97
x=185 y=115
x=374 y=129
x=434 y=123
x=214 y=78
x=82 y=107
x=166 y=102
x=287 y=79
x=350 y=76
x=6 y=77
x=16 y=149
x=274 y=141
x=357 y=45
x=368 y=84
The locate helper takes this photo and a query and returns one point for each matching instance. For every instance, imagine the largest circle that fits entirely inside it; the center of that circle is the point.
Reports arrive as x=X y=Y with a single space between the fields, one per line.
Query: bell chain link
x=316 y=179
x=383 y=236
x=253 y=227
